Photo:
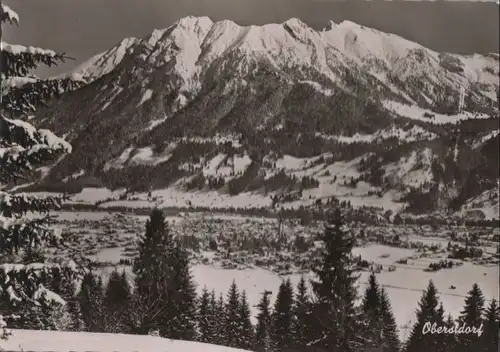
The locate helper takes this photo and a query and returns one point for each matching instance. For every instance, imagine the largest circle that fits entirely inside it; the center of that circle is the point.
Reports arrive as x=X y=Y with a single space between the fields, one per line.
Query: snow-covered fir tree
x=427 y=312
x=263 y=340
x=117 y=303
x=232 y=316
x=220 y=314
x=246 y=334
x=214 y=318
x=472 y=316
x=282 y=318
x=90 y=298
x=164 y=287
x=390 y=334
x=26 y=289
x=490 y=337
x=21 y=148
x=450 y=341
x=30 y=292
x=180 y=313
x=205 y=332
x=335 y=315
x=22 y=91
x=152 y=270
x=302 y=316
x=372 y=317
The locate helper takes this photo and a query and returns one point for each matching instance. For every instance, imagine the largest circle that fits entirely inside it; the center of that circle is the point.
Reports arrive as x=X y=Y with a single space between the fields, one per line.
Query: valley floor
x=110 y=238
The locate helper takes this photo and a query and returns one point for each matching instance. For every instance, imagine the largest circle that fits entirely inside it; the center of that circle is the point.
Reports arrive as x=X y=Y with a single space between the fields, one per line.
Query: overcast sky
x=85 y=27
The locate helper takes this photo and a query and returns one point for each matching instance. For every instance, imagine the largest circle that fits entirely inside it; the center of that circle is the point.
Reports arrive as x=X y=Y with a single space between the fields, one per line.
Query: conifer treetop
x=21 y=91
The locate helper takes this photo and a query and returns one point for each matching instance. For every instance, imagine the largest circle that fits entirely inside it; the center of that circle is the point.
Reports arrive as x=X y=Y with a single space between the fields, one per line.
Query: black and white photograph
x=249 y=176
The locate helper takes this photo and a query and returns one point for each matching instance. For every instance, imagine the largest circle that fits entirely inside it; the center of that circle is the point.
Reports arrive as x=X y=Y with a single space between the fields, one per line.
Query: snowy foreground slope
x=58 y=341
x=230 y=114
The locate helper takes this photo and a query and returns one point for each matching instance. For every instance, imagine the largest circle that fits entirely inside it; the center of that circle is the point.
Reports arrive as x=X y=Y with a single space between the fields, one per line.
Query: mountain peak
x=195 y=22
x=295 y=22
x=264 y=84
x=103 y=63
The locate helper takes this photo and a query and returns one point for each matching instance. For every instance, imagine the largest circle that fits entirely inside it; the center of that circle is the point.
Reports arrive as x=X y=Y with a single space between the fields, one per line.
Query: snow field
x=58 y=341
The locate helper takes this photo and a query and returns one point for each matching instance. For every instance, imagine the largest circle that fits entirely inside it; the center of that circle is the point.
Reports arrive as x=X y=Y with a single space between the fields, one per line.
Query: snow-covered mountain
x=214 y=105
x=102 y=63
x=55 y=341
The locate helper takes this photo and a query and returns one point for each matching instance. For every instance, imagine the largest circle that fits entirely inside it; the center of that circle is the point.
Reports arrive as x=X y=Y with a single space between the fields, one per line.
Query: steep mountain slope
x=102 y=63
x=203 y=105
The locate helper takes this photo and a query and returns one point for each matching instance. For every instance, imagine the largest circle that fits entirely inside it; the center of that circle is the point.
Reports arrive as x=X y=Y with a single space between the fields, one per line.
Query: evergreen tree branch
x=20 y=60
x=22 y=96
x=8 y=15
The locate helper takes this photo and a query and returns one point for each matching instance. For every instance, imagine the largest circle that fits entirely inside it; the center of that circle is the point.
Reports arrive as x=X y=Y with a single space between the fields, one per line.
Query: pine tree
x=204 y=318
x=302 y=316
x=23 y=148
x=50 y=312
x=232 y=318
x=471 y=316
x=180 y=313
x=213 y=318
x=282 y=318
x=76 y=324
x=153 y=270
x=489 y=338
x=90 y=299
x=165 y=291
x=26 y=292
x=263 y=342
x=335 y=290
x=23 y=92
x=117 y=302
x=246 y=333
x=220 y=315
x=372 y=313
x=67 y=289
x=390 y=338
x=427 y=313
x=450 y=341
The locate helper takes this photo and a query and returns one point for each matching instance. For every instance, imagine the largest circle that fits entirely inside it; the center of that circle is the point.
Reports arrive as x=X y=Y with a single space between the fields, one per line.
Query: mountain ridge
x=278 y=89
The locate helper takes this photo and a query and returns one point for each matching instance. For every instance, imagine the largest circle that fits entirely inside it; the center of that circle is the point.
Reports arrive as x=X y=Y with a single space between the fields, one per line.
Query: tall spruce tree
x=282 y=318
x=77 y=323
x=180 y=313
x=23 y=148
x=90 y=299
x=214 y=318
x=302 y=317
x=335 y=290
x=232 y=318
x=390 y=336
x=489 y=338
x=246 y=331
x=372 y=314
x=263 y=341
x=205 y=332
x=117 y=302
x=471 y=316
x=450 y=341
x=427 y=313
x=220 y=314
x=153 y=270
